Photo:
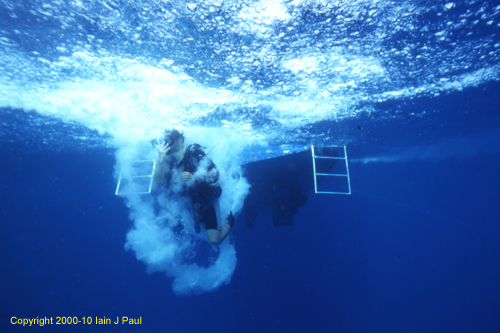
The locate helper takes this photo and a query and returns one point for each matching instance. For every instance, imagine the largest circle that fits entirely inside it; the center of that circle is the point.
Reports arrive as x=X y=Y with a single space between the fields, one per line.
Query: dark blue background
x=415 y=248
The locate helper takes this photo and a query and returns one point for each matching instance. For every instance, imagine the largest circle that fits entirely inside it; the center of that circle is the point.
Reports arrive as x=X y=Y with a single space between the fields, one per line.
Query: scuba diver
x=198 y=177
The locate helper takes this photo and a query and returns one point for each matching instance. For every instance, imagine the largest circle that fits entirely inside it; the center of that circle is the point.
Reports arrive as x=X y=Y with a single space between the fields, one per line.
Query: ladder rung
x=323 y=192
x=148 y=176
x=331 y=157
x=331 y=174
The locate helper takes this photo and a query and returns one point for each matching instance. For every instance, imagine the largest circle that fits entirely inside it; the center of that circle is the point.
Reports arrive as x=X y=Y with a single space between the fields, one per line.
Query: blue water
x=413 y=91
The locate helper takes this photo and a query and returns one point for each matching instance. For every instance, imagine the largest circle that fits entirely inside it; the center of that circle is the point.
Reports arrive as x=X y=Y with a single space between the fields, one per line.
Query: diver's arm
x=159 y=175
x=210 y=177
x=213 y=175
x=187 y=176
x=160 y=170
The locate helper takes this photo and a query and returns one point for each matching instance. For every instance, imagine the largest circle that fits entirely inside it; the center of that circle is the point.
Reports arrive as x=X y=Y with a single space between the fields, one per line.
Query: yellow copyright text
x=75 y=321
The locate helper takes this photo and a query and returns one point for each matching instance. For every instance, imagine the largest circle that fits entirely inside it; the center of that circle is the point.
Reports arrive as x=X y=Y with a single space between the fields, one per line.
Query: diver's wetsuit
x=203 y=193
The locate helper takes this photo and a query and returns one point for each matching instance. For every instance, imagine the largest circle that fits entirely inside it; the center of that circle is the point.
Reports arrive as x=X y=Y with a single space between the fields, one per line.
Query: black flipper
x=230 y=219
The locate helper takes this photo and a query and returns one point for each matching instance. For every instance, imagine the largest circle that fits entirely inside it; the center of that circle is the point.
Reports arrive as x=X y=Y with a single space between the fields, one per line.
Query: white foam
x=486 y=142
x=313 y=78
x=155 y=237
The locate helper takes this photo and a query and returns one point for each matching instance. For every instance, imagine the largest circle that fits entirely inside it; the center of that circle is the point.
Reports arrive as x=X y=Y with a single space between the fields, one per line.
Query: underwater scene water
x=410 y=89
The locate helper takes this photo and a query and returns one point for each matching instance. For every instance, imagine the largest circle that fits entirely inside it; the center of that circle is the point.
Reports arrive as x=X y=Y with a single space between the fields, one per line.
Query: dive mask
x=157 y=143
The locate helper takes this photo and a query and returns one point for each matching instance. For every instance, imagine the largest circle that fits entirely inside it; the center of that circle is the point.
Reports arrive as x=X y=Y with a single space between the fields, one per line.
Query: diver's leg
x=215 y=236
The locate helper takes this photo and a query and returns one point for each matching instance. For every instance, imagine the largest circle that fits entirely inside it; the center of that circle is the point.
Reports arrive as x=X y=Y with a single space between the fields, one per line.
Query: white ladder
x=140 y=176
x=314 y=157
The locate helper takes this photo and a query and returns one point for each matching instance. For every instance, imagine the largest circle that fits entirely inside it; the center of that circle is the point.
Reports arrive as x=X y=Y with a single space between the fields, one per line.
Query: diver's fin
x=230 y=219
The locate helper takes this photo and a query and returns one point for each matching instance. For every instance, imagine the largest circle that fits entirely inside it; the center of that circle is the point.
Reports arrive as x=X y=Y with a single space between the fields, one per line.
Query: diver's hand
x=163 y=151
x=187 y=176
